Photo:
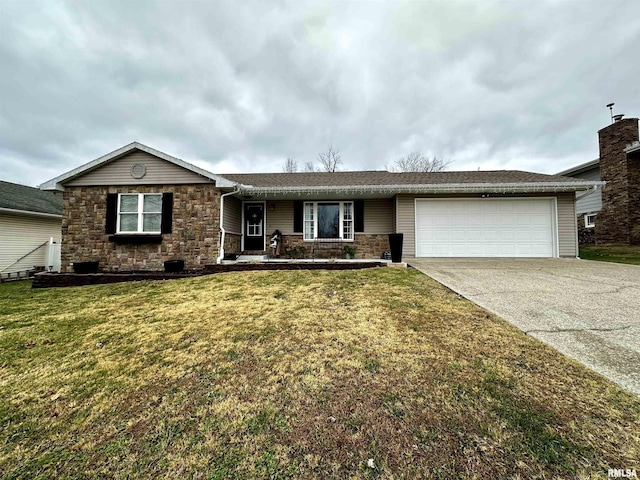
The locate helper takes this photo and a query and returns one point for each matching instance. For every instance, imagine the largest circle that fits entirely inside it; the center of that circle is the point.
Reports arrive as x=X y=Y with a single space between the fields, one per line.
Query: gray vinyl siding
x=567 y=227
x=19 y=234
x=232 y=215
x=406 y=223
x=118 y=172
x=379 y=215
x=589 y=202
x=280 y=217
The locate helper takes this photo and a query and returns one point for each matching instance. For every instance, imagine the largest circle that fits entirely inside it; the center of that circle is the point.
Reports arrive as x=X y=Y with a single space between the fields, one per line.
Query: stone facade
x=586 y=235
x=371 y=246
x=232 y=243
x=195 y=234
x=368 y=246
x=618 y=221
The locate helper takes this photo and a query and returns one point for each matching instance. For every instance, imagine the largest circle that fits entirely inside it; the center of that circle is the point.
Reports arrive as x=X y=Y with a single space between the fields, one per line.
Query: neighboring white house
x=29 y=219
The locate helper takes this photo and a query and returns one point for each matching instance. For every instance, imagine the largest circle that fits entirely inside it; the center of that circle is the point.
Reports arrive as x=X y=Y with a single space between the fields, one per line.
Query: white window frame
x=315 y=221
x=589 y=220
x=140 y=213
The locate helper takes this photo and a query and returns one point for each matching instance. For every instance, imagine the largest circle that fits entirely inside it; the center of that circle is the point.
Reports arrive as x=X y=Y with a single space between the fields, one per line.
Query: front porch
x=329 y=226
x=294 y=247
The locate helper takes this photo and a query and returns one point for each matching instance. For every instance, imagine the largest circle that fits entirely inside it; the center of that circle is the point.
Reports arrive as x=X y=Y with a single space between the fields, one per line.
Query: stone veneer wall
x=617 y=221
x=586 y=236
x=195 y=234
x=232 y=243
x=369 y=246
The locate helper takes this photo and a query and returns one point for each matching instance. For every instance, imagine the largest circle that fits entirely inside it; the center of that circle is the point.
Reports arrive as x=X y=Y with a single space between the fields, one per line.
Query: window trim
x=340 y=238
x=589 y=220
x=140 y=213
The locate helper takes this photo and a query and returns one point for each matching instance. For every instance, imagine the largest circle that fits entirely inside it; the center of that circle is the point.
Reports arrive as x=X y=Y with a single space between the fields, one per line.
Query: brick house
x=136 y=207
x=611 y=214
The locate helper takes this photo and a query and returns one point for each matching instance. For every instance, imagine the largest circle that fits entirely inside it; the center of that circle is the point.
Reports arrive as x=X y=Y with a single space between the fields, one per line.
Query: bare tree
x=290 y=166
x=308 y=167
x=417 y=162
x=330 y=159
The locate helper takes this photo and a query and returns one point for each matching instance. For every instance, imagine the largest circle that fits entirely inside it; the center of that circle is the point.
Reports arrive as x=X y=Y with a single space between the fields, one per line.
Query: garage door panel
x=485 y=228
x=507 y=236
x=489 y=236
x=508 y=250
x=536 y=220
x=458 y=221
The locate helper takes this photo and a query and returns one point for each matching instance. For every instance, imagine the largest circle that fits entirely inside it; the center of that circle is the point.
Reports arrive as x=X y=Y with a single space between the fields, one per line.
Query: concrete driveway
x=587 y=310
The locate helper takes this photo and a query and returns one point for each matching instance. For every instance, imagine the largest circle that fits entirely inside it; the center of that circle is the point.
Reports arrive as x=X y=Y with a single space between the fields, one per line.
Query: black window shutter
x=297 y=216
x=112 y=213
x=167 y=212
x=358 y=211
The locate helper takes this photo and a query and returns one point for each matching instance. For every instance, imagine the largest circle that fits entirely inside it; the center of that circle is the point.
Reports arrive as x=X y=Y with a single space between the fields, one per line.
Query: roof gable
x=74 y=176
x=137 y=168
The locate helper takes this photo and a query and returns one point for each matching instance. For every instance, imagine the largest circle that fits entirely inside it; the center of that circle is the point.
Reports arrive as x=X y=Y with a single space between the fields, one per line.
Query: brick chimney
x=618 y=221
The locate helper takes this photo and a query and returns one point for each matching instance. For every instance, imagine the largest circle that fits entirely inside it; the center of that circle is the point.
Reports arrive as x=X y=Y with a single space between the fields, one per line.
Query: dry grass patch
x=291 y=375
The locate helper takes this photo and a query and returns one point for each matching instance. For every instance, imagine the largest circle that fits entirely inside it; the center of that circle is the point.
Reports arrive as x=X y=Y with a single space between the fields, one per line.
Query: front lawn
x=378 y=373
x=614 y=253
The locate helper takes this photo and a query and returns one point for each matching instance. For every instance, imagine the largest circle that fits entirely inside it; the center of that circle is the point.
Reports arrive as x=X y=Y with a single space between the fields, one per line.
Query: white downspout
x=221 y=256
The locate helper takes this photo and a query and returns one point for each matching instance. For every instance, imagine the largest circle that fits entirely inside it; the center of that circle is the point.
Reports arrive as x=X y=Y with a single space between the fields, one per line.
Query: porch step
x=252 y=258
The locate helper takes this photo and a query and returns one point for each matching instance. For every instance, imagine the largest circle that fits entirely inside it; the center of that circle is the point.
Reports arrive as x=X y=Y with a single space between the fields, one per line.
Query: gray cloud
x=239 y=86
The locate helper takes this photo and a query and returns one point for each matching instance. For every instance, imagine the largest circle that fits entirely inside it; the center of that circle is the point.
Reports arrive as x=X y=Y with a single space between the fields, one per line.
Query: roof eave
x=29 y=212
x=527 y=187
x=632 y=147
x=580 y=168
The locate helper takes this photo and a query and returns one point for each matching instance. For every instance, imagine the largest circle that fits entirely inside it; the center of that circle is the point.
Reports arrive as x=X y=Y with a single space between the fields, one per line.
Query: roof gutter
x=28 y=212
x=223 y=232
x=632 y=147
x=505 y=188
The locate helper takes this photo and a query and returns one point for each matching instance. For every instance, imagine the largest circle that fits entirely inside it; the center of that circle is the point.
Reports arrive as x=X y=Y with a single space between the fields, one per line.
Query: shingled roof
x=377 y=177
x=20 y=197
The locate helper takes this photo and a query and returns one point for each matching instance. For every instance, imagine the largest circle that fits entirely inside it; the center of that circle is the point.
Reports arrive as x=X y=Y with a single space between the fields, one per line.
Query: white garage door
x=486 y=227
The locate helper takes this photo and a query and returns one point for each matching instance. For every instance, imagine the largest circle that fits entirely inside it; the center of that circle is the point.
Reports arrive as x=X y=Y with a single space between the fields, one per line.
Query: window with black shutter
x=167 y=212
x=297 y=216
x=112 y=213
x=358 y=207
x=138 y=217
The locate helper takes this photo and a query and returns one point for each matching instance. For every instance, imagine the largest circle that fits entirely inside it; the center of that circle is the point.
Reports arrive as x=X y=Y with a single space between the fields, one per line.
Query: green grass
x=293 y=375
x=619 y=254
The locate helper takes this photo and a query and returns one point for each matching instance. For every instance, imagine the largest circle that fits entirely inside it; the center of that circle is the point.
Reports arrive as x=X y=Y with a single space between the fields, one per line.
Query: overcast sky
x=240 y=86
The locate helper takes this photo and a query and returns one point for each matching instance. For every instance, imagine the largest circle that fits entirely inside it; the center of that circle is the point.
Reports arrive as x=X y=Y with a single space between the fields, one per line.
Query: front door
x=254 y=226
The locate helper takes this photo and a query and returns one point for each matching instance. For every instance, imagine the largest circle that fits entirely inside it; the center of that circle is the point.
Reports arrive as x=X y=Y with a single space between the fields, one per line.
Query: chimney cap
x=618 y=117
